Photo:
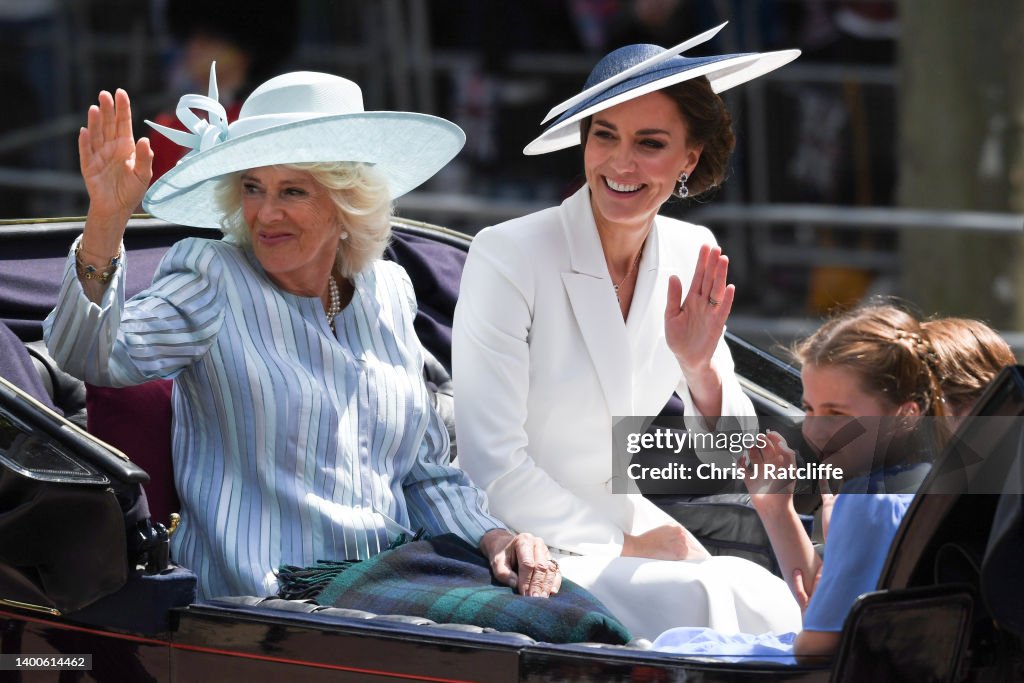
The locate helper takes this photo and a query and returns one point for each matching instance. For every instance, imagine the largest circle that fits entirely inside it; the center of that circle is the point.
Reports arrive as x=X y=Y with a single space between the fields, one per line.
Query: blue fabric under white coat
x=290 y=444
x=862 y=529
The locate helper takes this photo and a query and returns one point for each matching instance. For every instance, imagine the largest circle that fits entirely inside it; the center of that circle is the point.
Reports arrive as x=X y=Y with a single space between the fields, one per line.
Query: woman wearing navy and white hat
x=302 y=427
x=578 y=313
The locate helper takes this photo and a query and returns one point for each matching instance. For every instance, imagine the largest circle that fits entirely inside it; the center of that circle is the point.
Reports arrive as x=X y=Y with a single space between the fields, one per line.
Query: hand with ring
x=694 y=325
x=522 y=562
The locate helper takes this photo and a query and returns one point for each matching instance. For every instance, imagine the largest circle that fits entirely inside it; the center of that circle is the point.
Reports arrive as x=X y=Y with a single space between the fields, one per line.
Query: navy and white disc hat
x=636 y=70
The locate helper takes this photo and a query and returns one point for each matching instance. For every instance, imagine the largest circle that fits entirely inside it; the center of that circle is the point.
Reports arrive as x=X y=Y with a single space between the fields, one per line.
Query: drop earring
x=683 y=191
x=343 y=236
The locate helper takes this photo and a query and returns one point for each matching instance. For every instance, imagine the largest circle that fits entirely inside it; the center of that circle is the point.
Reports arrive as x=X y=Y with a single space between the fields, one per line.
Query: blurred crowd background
x=886 y=161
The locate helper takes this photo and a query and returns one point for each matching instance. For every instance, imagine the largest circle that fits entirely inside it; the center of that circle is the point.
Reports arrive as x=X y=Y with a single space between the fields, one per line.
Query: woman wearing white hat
x=302 y=427
x=576 y=314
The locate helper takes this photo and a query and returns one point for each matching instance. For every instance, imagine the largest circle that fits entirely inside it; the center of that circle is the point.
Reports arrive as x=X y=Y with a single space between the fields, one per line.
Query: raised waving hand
x=116 y=170
x=694 y=325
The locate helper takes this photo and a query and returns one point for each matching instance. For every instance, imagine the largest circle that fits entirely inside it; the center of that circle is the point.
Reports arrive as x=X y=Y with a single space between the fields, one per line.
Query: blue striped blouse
x=290 y=443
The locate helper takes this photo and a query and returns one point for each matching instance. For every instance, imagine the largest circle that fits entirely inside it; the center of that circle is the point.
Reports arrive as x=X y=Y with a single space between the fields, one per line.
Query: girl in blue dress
x=867 y=376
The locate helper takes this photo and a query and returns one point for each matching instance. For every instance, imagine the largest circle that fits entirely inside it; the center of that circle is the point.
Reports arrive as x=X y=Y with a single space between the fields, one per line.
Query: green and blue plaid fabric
x=447 y=580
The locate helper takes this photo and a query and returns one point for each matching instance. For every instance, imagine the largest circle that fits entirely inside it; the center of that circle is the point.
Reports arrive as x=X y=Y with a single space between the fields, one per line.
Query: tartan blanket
x=447 y=580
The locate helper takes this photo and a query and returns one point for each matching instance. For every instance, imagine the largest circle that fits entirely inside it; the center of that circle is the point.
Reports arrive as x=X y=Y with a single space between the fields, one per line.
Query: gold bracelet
x=91 y=272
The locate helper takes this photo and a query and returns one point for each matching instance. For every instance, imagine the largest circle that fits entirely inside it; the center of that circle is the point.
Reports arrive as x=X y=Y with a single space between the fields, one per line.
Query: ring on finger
x=554 y=563
x=713 y=302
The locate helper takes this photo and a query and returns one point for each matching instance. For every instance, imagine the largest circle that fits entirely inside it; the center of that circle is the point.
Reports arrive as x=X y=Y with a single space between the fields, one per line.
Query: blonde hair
x=886 y=347
x=360 y=194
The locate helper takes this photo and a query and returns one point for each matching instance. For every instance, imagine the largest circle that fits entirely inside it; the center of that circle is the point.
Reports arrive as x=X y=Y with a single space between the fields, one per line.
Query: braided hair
x=887 y=347
x=970 y=354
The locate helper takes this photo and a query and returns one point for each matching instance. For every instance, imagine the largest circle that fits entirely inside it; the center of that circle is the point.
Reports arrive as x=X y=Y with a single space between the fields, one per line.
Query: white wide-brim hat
x=635 y=70
x=299 y=117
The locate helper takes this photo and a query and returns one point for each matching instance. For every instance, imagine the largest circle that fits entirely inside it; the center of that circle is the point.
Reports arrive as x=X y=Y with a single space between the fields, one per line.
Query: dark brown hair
x=887 y=347
x=708 y=124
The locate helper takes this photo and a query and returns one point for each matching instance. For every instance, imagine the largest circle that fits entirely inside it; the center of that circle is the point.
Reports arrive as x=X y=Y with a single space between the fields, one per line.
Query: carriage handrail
x=486 y=211
x=482 y=211
x=861 y=217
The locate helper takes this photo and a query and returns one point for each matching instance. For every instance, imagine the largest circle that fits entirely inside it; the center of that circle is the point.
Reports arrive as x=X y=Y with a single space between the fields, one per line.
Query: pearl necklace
x=628 y=273
x=334 y=307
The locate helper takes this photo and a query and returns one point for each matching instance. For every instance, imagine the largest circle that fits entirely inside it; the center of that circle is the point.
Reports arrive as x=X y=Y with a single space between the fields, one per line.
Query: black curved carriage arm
x=37 y=418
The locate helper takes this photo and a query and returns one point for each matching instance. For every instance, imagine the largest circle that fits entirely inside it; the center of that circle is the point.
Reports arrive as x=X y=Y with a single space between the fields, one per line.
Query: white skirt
x=728 y=594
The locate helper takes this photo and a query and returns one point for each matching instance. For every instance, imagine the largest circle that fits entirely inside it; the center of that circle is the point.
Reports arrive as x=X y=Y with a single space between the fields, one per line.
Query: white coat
x=543 y=361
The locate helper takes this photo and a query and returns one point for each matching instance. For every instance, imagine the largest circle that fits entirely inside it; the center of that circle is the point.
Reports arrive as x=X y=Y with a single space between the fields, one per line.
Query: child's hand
x=767 y=491
x=803 y=591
